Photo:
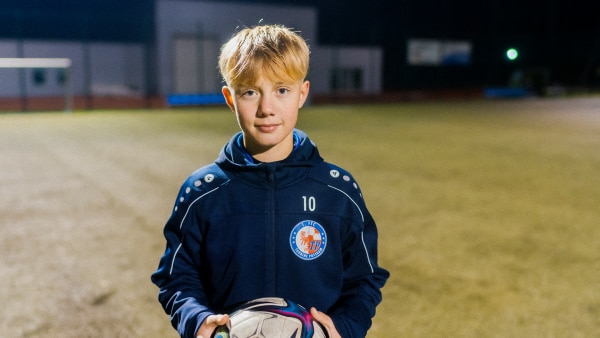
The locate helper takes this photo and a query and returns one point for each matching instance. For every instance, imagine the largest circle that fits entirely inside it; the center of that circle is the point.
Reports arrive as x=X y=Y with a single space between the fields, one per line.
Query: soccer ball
x=272 y=318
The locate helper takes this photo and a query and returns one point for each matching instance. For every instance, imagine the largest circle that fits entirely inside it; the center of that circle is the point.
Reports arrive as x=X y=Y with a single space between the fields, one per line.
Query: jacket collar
x=235 y=158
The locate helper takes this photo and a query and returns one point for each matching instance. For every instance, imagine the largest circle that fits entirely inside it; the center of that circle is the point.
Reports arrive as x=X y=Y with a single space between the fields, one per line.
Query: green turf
x=488 y=212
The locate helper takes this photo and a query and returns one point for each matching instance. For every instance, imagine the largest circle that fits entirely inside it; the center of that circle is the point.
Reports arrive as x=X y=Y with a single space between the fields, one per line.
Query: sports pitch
x=488 y=213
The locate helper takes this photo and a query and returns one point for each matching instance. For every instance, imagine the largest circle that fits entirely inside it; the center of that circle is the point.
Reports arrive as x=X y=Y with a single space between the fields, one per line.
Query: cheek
x=242 y=118
x=293 y=118
x=245 y=118
x=244 y=111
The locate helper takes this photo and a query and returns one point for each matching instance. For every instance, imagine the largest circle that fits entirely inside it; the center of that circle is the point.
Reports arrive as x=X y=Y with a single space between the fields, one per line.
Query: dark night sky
x=562 y=35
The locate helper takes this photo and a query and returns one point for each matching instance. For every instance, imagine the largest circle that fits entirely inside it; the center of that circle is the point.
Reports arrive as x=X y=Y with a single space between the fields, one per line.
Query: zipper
x=271 y=233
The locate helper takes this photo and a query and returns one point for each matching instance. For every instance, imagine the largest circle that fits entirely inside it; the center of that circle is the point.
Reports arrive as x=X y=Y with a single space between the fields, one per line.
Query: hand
x=326 y=321
x=210 y=324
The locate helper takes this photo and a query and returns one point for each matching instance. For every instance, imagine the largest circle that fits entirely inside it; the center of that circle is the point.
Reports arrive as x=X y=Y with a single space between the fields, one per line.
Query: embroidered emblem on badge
x=308 y=240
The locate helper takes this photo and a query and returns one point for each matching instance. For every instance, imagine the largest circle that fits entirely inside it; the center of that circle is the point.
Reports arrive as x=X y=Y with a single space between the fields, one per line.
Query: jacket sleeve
x=178 y=278
x=363 y=278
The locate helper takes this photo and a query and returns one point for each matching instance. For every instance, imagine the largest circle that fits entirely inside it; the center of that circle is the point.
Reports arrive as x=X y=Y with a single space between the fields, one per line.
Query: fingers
x=319 y=316
x=217 y=320
x=326 y=322
x=210 y=324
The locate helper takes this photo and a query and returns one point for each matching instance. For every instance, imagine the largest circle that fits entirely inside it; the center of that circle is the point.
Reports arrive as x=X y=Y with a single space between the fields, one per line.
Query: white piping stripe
x=362 y=237
x=350 y=198
x=188 y=209
x=181 y=225
x=173 y=261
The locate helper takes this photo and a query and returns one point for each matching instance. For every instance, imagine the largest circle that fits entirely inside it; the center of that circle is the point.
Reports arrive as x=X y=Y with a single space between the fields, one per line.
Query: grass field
x=488 y=213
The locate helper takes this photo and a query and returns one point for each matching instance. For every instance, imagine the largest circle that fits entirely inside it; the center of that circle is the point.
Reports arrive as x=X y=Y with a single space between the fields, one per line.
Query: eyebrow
x=253 y=85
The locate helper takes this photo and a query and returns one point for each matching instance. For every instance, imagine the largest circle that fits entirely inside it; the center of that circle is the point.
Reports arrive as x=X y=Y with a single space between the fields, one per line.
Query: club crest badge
x=308 y=240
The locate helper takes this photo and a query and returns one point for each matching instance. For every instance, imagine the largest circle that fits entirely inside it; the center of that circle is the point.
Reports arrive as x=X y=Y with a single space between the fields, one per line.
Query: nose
x=267 y=105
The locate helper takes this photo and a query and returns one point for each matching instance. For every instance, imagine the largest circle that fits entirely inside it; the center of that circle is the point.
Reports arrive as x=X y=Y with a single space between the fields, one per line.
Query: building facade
x=181 y=58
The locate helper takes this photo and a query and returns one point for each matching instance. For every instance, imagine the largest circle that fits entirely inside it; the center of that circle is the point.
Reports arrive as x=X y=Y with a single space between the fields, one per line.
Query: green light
x=512 y=54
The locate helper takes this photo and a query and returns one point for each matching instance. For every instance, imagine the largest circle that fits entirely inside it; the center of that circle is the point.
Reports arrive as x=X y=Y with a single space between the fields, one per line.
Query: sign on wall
x=430 y=52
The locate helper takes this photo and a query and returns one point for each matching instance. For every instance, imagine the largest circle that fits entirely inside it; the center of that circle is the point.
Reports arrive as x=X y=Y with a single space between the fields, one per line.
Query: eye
x=282 y=90
x=249 y=93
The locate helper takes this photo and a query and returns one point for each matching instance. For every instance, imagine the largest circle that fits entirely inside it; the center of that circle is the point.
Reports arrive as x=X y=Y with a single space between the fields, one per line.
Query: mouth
x=267 y=128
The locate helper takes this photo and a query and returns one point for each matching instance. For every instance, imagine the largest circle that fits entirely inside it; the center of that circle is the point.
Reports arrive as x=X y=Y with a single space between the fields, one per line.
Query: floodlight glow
x=512 y=54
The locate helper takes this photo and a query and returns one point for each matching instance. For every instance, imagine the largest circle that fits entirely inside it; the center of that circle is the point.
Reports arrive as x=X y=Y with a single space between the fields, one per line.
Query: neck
x=273 y=154
x=278 y=152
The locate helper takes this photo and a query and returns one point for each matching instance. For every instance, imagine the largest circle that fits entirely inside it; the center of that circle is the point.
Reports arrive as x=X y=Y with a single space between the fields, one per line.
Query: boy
x=269 y=217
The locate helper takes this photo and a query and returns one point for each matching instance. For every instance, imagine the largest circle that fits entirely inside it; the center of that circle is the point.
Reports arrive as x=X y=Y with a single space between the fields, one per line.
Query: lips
x=267 y=128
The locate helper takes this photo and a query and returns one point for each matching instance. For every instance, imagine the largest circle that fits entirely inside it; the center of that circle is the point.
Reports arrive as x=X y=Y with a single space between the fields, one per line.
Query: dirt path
x=82 y=206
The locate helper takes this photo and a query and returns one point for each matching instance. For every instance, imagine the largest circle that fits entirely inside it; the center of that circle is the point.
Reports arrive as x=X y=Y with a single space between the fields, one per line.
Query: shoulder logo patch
x=308 y=240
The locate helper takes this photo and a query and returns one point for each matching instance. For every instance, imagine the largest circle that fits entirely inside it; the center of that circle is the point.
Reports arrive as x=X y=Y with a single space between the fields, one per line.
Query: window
x=39 y=76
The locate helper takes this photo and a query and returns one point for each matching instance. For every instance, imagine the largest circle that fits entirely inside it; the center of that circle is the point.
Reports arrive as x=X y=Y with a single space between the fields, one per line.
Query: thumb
x=326 y=322
x=218 y=320
x=318 y=315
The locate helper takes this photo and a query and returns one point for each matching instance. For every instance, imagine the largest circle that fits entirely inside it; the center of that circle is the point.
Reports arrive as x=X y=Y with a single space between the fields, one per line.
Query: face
x=267 y=112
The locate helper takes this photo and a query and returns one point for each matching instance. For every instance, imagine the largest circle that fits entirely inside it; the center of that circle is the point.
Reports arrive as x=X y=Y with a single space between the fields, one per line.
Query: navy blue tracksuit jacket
x=296 y=229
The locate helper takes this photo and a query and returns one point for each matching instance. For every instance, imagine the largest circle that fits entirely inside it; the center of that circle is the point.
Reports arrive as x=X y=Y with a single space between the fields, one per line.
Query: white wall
x=104 y=68
x=9 y=78
x=119 y=69
x=55 y=49
x=369 y=60
x=219 y=20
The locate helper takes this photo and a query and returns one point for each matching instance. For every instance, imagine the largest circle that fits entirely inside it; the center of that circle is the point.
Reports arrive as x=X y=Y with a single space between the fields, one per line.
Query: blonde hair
x=270 y=50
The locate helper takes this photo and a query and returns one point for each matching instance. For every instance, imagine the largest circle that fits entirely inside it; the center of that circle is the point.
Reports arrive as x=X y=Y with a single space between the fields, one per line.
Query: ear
x=228 y=95
x=304 y=89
